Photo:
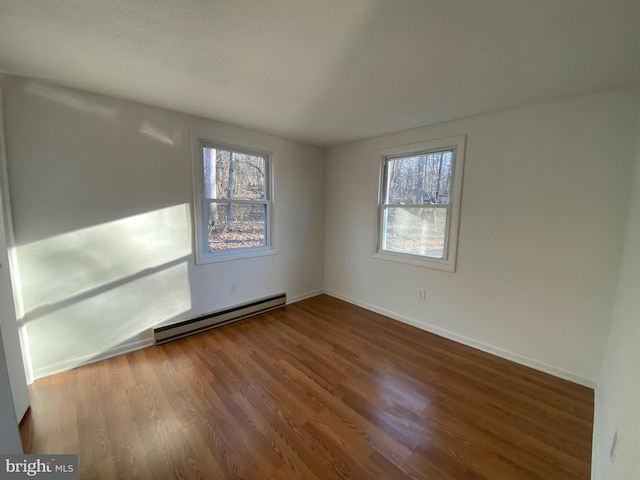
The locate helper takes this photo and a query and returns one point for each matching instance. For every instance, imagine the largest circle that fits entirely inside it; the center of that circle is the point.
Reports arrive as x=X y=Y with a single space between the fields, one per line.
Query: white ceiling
x=326 y=71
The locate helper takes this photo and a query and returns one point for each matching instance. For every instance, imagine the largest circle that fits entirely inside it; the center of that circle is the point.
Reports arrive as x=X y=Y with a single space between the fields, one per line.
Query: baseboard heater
x=184 y=328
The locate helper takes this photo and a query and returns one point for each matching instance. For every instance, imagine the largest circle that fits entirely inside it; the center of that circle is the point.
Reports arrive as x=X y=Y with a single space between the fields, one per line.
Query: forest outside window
x=420 y=203
x=233 y=207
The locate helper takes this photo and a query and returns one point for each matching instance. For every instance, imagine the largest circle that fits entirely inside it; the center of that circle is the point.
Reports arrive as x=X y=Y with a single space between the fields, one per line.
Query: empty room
x=287 y=239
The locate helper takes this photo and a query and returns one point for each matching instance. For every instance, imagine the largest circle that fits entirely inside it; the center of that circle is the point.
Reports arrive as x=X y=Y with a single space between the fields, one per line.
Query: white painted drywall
x=545 y=197
x=9 y=325
x=10 y=436
x=618 y=390
x=101 y=192
x=8 y=320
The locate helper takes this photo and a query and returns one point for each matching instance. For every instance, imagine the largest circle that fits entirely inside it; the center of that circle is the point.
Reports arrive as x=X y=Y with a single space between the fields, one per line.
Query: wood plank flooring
x=320 y=389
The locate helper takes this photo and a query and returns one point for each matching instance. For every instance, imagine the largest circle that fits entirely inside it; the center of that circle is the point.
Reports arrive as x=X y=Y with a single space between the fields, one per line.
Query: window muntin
x=419 y=202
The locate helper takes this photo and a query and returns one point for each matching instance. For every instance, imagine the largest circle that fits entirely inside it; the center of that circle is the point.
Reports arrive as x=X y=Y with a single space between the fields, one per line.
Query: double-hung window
x=233 y=202
x=420 y=202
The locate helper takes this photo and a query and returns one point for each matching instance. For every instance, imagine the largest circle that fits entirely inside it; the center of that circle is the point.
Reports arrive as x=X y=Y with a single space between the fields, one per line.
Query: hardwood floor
x=319 y=389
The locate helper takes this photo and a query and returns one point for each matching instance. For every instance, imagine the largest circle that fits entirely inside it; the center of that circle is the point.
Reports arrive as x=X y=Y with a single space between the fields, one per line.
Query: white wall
x=618 y=391
x=8 y=320
x=10 y=438
x=12 y=352
x=545 y=196
x=101 y=193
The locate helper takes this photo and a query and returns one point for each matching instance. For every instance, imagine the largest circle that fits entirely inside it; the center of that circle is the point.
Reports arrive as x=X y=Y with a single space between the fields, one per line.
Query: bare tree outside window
x=235 y=198
x=417 y=203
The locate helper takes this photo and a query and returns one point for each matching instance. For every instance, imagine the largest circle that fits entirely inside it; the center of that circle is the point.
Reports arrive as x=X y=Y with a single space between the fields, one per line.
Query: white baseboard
x=127 y=347
x=500 y=352
x=304 y=296
x=456 y=337
x=87 y=359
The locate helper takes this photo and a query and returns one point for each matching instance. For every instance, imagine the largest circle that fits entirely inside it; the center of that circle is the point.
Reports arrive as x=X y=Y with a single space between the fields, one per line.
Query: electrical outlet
x=233 y=289
x=422 y=294
x=614 y=445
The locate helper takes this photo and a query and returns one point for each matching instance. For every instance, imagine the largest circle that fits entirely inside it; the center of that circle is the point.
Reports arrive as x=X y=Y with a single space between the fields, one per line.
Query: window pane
x=420 y=179
x=233 y=175
x=418 y=231
x=233 y=226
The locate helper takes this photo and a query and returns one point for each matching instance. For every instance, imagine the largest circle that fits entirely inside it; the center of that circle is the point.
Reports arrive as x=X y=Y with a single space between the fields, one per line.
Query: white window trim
x=202 y=254
x=448 y=264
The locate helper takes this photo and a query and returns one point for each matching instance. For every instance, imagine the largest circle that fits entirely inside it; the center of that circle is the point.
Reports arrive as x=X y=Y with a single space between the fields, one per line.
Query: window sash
x=205 y=221
x=390 y=158
x=425 y=206
x=242 y=151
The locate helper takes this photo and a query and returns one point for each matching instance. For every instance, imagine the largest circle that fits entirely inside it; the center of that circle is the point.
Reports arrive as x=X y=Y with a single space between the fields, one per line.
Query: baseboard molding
x=500 y=352
x=456 y=337
x=129 y=347
x=304 y=296
x=87 y=359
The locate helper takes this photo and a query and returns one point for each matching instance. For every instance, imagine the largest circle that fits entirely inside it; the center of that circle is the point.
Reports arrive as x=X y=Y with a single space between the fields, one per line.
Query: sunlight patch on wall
x=79 y=331
x=87 y=291
x=72 y=99
x=160 y=135
x=57 y=268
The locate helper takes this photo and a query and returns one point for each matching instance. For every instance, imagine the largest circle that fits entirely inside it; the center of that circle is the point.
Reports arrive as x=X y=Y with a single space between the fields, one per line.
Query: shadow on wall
x=87 y=292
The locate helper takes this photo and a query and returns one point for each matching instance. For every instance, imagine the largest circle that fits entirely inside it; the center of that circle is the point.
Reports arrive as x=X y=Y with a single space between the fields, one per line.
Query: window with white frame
x=233 y=202
x=420 y=194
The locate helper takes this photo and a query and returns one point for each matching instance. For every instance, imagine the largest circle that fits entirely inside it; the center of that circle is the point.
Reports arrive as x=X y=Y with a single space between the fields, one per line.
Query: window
x=420 y=202
x=233 y=202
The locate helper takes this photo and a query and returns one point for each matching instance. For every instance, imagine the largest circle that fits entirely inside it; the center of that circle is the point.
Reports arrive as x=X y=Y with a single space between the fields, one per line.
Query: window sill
x=204 y=259
x=415 y=260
